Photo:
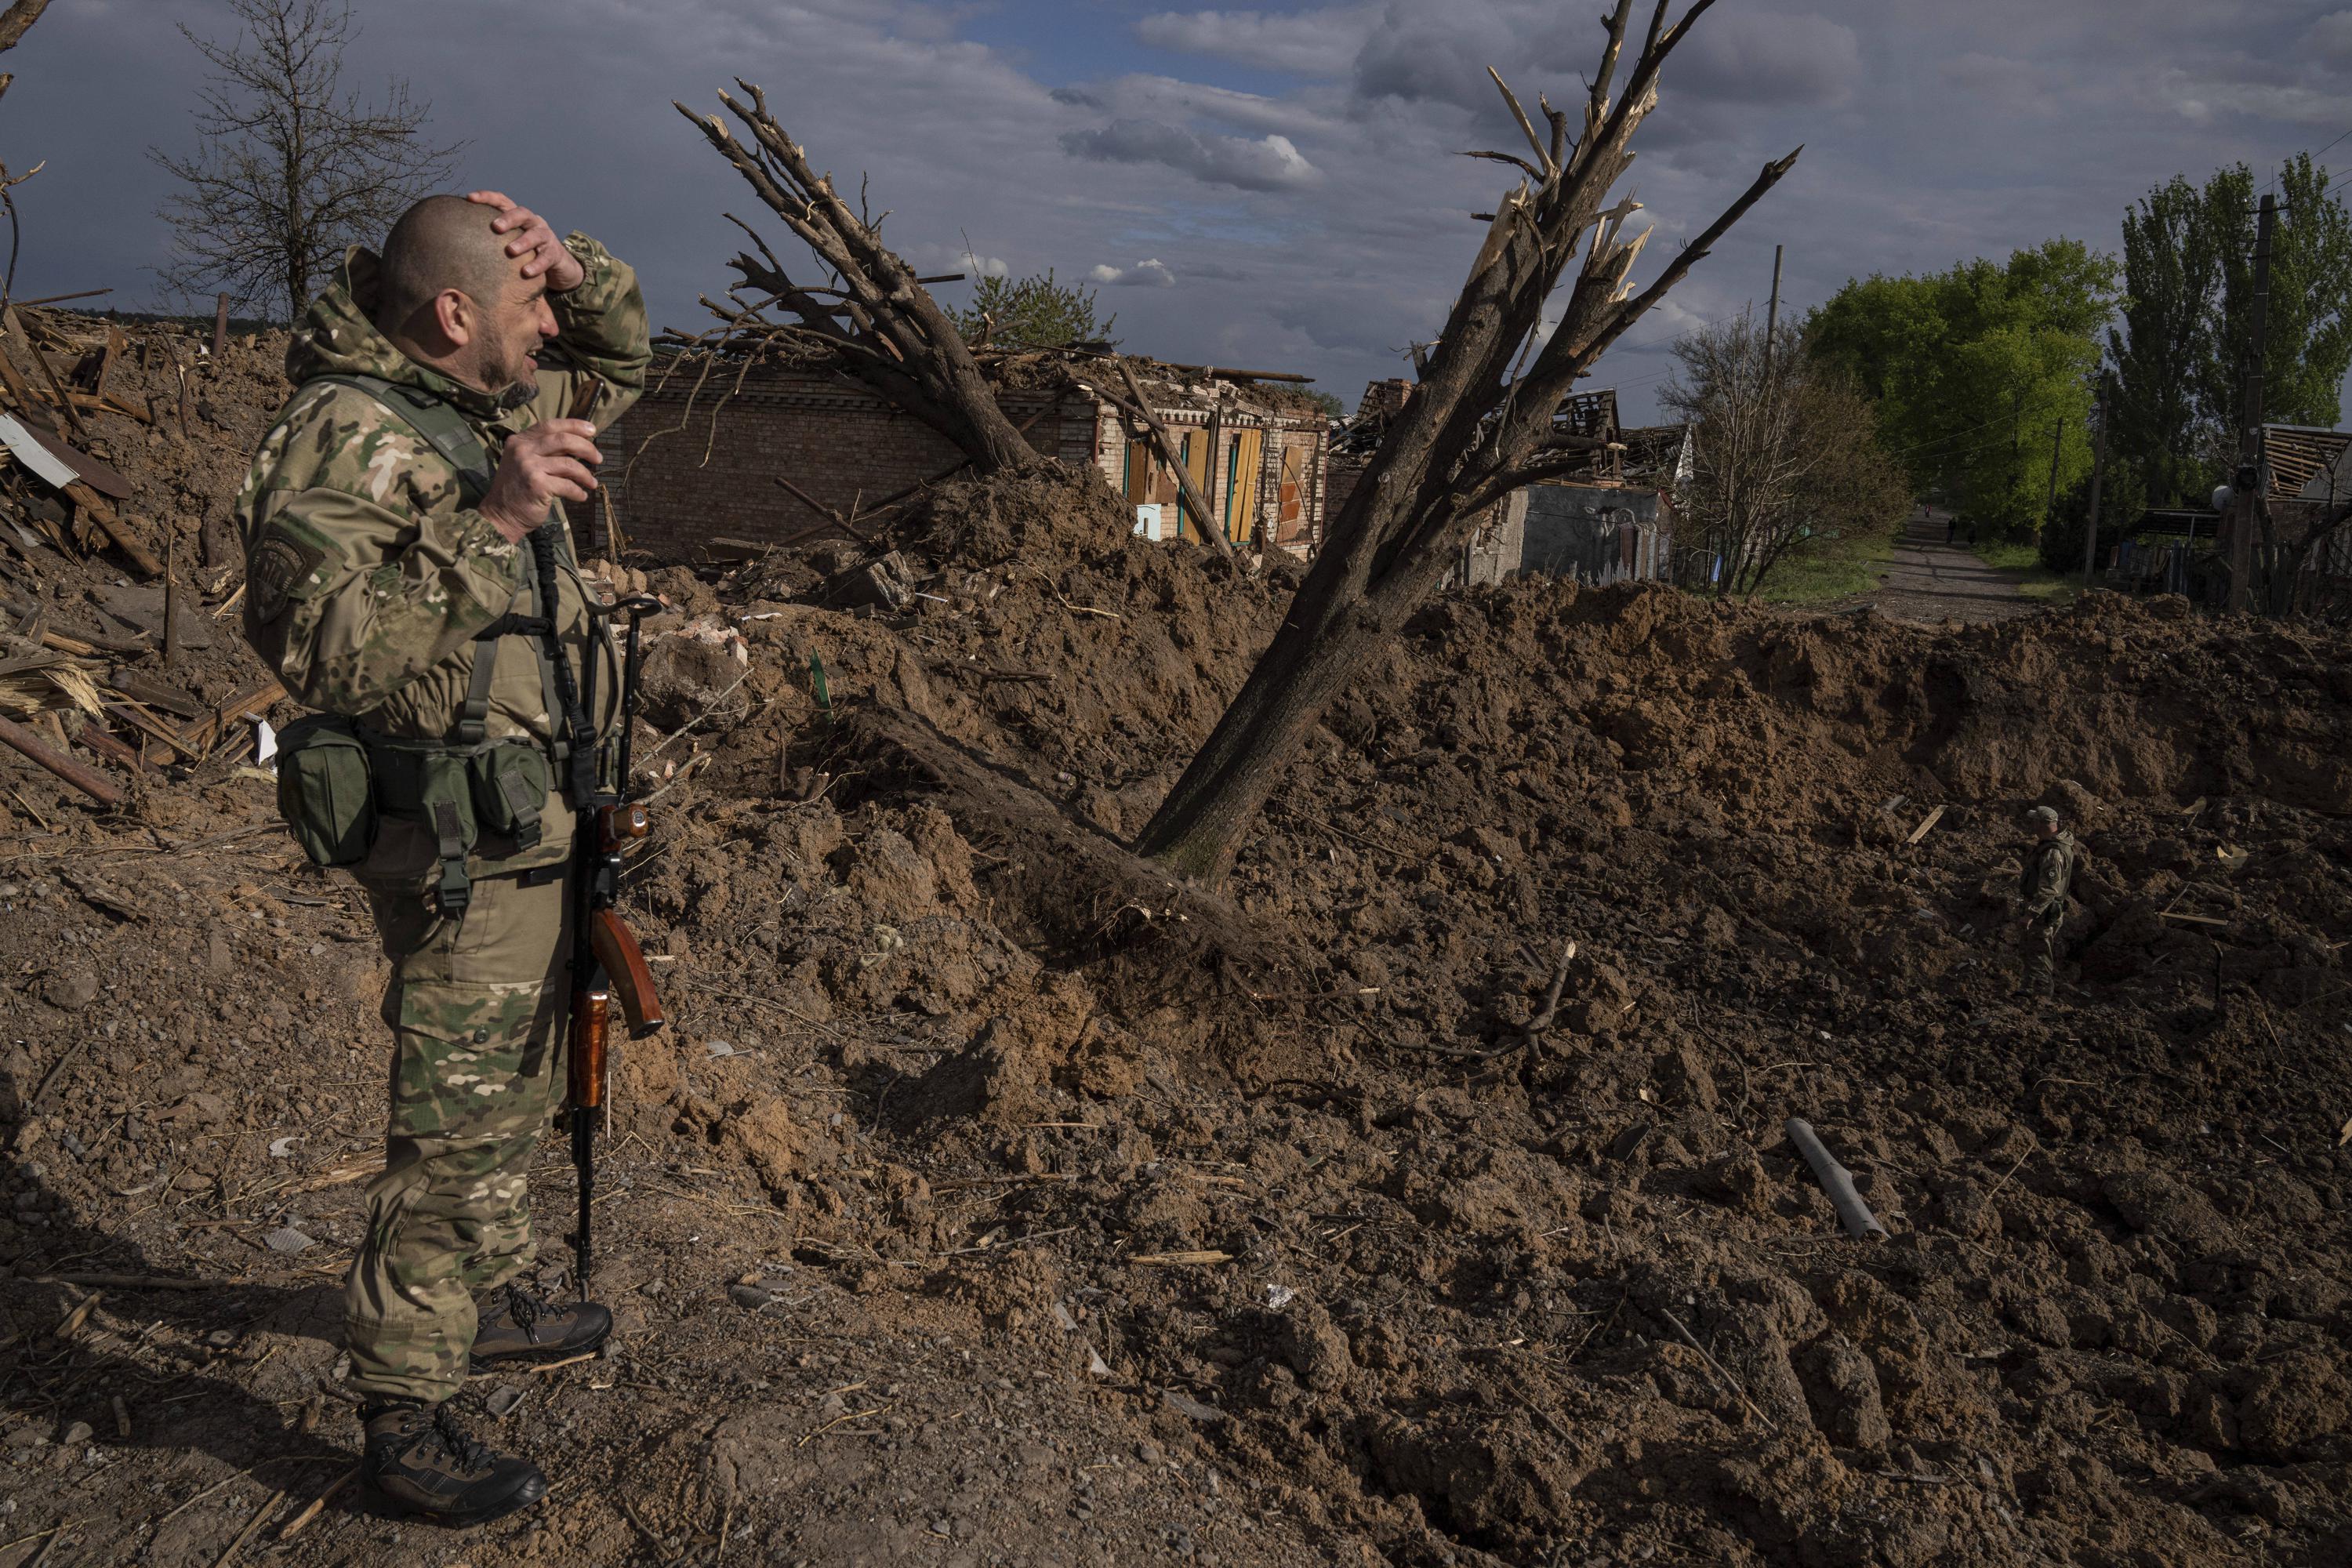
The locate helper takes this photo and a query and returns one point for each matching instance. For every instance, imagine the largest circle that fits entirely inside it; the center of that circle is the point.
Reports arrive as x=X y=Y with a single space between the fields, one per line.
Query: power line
x=2321 y=154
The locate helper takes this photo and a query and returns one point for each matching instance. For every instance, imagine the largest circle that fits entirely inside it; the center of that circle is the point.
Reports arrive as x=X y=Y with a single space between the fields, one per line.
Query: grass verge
x=2025 y=556
x=1838 y=569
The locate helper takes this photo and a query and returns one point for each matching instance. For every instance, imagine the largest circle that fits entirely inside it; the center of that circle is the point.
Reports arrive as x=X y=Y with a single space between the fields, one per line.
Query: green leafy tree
x=2172 y=276
x=1031 y=313
x=2309 y=329
x=1974 y=371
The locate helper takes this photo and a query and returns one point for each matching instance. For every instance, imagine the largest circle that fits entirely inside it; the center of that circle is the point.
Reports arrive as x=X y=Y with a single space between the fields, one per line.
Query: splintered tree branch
x=873 y=310
x=1471 y=433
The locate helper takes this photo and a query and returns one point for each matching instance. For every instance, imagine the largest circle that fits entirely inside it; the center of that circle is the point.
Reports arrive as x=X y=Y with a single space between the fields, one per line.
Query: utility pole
x=2099 y=475
x=2249 y=480
x=1772 y=319
x=2057 y=445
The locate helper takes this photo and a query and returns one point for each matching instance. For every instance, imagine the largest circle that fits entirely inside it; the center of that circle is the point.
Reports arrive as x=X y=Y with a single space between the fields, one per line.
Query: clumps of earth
x=986 y=1199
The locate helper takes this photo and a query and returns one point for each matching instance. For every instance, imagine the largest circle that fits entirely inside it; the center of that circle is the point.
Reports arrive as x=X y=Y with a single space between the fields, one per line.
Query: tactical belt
x=572 y=754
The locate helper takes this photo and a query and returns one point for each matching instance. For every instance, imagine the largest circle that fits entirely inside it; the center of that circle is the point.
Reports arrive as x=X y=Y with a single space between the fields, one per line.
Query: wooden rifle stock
x=624 y=964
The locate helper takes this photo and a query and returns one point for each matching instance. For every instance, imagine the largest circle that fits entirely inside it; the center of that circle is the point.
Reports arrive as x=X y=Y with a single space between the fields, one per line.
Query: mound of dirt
x=995 y=1198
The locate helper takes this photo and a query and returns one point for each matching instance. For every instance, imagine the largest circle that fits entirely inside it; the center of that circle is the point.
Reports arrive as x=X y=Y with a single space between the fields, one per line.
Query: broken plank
x=1926 y=825
x=147 y=724
x=17 y=737
x=159 y=693
x=96 y=508
x=16 y=328
x=107 y=746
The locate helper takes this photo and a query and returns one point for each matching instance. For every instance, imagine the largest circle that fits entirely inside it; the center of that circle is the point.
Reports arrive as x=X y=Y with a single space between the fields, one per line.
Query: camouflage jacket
x=365 y=576
x=2049 y=868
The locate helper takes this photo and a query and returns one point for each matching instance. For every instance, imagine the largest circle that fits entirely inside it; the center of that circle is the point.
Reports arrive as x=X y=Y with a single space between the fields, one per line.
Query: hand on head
x=532 y=242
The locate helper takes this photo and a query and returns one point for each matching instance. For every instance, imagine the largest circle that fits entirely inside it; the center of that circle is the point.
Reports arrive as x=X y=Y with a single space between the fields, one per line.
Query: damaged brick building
x=722 y=457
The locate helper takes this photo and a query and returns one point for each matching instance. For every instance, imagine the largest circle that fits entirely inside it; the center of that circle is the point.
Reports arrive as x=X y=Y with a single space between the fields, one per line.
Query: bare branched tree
x=1478 y=427
x=871 y=309
x=290 y=169
x=1783 y=452
x=12 y=23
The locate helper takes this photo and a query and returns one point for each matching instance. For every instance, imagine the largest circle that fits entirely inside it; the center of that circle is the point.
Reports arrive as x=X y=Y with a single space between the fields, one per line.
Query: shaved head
x=442 y=242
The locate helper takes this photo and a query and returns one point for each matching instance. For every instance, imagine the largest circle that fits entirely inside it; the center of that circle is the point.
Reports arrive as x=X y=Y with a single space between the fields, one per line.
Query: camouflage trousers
x=477 y=1007
x=2038 y=944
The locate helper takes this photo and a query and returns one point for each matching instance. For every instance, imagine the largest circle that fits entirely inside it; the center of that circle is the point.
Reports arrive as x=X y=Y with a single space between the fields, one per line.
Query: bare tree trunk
x=1471 y=433
x=884 y=325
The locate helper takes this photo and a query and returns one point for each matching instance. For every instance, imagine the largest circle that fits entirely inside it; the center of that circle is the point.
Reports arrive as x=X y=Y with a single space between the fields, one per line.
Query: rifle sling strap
x=451 y=436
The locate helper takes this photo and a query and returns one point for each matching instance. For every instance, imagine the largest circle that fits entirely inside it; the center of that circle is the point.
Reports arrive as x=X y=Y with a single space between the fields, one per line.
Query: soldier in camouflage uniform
x=2042 y=888
x=370 y=569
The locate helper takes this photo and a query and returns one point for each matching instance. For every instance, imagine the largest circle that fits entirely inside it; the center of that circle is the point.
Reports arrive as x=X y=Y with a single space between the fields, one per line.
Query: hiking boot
x=420 y=1463
x=516 y=1325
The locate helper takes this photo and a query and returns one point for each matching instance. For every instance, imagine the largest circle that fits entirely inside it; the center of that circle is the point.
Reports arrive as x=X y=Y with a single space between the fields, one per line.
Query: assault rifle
x=606 y=963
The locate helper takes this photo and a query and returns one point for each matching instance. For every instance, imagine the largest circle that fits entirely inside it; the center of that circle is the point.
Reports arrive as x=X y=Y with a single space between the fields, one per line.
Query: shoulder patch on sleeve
x=287 y=564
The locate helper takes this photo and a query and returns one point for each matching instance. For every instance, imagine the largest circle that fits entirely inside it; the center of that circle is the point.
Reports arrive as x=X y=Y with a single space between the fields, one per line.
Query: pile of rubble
x=120 y=571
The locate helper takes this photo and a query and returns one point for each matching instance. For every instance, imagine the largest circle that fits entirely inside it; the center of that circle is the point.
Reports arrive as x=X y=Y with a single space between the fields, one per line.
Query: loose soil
x=992 y=1200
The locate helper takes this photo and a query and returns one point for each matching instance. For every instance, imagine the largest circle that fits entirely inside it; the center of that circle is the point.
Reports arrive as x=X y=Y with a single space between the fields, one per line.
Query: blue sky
x=1273 y=187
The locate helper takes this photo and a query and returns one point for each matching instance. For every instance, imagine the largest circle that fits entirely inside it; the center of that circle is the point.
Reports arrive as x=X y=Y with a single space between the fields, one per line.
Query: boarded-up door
x=1244 y=453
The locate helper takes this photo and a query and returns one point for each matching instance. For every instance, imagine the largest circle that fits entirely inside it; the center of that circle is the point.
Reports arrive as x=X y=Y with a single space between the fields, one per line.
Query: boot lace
x=524 y=1308
x=462 y=1449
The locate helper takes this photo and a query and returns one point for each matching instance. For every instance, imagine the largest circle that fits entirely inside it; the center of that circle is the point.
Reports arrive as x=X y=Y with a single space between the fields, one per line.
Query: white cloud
x=1149 y=273
x=1270 y=163
x=1310 y=43
x=1145 y=97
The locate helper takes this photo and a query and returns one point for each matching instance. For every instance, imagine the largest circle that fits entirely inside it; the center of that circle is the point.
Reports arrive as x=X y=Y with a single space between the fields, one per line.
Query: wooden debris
x=19 y=739
x=79 y=1314
x=121 y=1419
x=302 y=1521
x=100 y=511
x=1926 y=827
x=1180 y=1259
x=15 y=324
x=136 y=1281
x=1137 y=406
x=260 y=1515
x=158 y=693
x=2188 y=919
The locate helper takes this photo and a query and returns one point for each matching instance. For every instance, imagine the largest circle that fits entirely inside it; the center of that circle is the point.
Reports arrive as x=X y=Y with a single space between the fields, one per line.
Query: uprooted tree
x=1483 y=422
x=872 y=312
x=1472 y=432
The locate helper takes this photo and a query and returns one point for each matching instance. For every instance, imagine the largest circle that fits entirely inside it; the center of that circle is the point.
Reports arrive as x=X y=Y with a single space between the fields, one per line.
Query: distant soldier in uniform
x=2042 y=889
x=392 y=584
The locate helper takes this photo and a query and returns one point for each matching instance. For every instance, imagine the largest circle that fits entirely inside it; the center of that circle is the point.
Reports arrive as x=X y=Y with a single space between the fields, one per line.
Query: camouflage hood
x=336 y=336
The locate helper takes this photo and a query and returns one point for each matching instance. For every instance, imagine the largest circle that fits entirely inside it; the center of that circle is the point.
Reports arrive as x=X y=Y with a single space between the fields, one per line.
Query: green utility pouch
x=510 y=780
x=324 y=789
x=432 y=782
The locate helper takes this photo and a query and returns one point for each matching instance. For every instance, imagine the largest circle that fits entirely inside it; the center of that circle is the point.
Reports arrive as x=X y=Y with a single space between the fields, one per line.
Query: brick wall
x=685 y=466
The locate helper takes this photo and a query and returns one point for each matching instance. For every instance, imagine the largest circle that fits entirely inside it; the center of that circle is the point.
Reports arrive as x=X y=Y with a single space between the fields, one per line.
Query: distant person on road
x=2042 y=887
x=1951 y=525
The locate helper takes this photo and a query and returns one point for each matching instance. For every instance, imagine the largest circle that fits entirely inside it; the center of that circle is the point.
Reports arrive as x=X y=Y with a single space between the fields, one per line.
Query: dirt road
x=1929 y=581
